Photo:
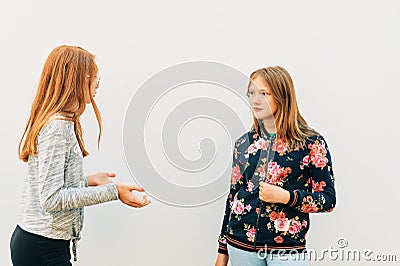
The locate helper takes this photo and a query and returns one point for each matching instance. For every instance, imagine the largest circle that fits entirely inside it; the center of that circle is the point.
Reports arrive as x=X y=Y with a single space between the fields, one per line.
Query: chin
x=260 y=117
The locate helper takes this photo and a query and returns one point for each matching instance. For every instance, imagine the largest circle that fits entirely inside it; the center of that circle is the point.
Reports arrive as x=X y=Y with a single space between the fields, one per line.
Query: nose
x=255 y=100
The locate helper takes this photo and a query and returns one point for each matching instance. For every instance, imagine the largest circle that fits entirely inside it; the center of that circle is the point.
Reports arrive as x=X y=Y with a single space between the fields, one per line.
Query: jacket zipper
x=261 y=203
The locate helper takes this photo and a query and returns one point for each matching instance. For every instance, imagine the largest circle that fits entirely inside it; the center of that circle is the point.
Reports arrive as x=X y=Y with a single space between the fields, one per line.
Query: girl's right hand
x=222 y=260
x=125 y=195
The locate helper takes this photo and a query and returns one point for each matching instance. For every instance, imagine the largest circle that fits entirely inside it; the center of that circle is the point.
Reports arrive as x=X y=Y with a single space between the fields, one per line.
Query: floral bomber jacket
x=252 y=225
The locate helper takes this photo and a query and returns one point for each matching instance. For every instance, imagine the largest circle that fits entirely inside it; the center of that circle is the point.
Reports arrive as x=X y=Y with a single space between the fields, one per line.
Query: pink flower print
x=282 y=224
x=318 y=186
x=295 y=227
x=273 y=216
x=235 y=153
x=309 y=206
x=223 y=241
x=262 y=144
x=322 y=149
x=250 y=186
x=319 y=162
x=251 y=149
x=278 y=239
x=317 y=154
x=283 y=173
x=236 y=175
x=273 y=168
x=280 y=147
x=304 y=223
x=310 y=199
x=262 y=171
x=259 y=143
x=248 y=207
x=306 y=160
x=251 y=234
x=276 y=174
x=317 y=148
x=237 y=206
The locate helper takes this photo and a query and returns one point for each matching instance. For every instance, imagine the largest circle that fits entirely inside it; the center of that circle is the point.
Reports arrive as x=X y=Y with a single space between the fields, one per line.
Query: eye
x=250 y=93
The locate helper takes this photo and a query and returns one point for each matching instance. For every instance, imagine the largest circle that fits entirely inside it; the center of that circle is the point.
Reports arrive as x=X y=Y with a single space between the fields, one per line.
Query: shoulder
x=246 y=138
x=55 y=127
x=316 y=141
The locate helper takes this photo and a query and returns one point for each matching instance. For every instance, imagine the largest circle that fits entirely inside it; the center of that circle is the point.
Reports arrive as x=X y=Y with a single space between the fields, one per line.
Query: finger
x=144 y=201
x=137 y=203
x=133 y=187
x=111 y=175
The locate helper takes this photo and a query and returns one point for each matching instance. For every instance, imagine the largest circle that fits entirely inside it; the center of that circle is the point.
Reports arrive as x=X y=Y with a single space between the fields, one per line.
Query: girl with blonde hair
x=281 y=172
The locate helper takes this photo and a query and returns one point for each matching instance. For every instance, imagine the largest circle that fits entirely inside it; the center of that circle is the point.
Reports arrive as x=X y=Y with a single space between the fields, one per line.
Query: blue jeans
x=240 y=257
x=29 y=249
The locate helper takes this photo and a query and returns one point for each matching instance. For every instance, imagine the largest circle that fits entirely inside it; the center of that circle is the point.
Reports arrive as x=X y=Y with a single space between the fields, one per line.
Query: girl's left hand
x=99 y=179
x=273 y=194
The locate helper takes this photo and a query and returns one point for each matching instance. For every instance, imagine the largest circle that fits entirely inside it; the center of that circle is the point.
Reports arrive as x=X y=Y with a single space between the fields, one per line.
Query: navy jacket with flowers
x=306 y=173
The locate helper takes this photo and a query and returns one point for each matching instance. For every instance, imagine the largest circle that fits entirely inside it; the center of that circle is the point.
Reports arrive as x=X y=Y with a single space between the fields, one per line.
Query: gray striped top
x=56 y=190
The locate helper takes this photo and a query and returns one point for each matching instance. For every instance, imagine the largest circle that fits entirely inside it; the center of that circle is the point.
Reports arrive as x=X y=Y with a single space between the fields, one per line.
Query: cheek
x=272 y=105
x=274 y=108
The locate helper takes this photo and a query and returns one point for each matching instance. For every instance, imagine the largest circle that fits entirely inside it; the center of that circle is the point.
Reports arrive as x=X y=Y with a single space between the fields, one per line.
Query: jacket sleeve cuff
x=222 y=249
x=294 y=195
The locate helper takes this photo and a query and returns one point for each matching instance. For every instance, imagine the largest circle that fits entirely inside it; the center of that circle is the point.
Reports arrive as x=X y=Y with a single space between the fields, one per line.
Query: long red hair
x=65 y=82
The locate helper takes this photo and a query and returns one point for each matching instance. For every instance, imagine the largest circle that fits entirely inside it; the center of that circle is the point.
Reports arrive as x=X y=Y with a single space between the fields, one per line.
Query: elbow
x=331 y=205
x=49 y=205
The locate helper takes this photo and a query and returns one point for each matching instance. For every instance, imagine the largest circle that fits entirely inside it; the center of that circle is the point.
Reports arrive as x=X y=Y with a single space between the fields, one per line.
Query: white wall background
x=343 y=56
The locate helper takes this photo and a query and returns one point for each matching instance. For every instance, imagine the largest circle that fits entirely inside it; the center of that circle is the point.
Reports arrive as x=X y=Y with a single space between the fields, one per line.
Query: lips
x=257 y=109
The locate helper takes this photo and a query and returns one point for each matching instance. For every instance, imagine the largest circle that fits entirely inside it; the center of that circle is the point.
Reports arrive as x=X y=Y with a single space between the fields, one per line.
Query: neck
x=269 y=125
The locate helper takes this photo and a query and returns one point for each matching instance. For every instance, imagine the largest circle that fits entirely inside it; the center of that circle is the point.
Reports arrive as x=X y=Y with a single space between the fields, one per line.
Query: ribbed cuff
x=222 y=249
x=86 y=180
x=115 y=189
x=293 y=198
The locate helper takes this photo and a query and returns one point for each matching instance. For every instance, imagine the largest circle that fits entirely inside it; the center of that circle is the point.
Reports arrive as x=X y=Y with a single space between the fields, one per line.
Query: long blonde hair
x=67 y=75
x=290 y=125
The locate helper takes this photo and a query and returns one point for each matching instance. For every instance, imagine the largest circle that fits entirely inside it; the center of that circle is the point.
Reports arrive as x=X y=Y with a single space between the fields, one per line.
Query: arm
x=323 y=197
x=54 y=196
x=236 y=182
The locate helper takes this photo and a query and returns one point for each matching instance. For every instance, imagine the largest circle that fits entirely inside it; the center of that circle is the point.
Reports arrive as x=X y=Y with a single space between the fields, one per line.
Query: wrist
x=118 y=185
x=89 y=180
x=285 y=196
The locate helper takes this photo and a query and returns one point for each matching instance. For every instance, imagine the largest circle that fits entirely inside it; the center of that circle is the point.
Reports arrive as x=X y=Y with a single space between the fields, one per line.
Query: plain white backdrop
x=343 y=56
